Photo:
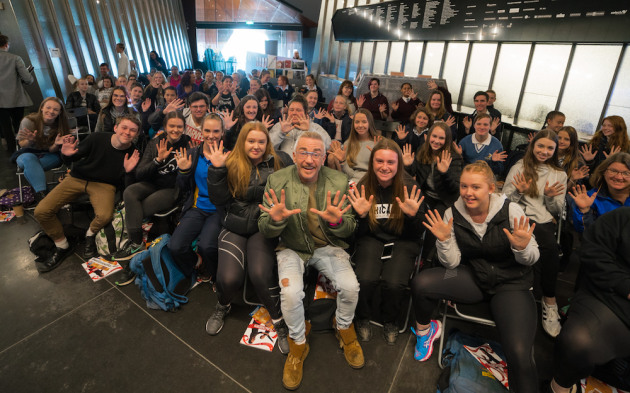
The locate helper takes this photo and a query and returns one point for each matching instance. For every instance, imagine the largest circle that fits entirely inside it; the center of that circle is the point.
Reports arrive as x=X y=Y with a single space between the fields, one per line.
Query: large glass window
x=454 y=67
x=619 y=103
x=412 y=61
x=379 y=58
x=433 y=59
x=479 y=71
x=245 y=11
x=508 y=78
x=366 y=57
x=343 y=59
x=396 y=54
x=355 y=49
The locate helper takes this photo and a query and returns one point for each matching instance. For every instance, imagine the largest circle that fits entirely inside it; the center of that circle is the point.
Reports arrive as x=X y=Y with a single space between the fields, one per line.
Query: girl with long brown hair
x=611 y=138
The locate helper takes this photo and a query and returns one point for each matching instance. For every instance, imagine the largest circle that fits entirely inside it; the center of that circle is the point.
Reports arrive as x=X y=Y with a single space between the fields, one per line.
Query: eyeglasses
x=199 y=107
x=314 y=154
x=614 y=172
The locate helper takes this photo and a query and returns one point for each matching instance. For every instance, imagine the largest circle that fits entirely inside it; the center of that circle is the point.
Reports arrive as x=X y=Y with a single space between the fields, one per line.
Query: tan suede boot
x=292 y=374
x=351 y=347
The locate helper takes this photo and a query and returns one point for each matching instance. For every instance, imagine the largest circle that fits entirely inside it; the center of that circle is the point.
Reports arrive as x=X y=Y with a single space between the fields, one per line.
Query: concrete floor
x=61 y=332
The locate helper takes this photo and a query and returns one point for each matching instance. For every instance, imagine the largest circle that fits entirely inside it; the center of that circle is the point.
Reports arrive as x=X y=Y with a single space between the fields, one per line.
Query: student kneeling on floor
x=101 y=161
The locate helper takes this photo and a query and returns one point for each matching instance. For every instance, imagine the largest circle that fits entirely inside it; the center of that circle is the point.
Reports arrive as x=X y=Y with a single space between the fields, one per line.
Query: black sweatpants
x=514 y=313
x=142 y=200
x=549 y=261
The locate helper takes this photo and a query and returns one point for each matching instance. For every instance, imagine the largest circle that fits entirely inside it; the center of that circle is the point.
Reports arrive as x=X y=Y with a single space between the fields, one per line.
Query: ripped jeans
x=332 y=262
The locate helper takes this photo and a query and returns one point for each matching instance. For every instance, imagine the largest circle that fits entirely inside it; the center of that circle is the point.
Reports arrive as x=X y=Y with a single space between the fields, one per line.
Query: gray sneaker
x=364 y=329
x=128 y=251
x=390 y=333
x=283 y=336
x=215 y=322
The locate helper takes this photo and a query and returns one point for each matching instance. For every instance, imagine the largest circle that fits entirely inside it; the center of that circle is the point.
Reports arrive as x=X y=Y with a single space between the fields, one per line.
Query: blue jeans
x=332 y=262
x=34 y=168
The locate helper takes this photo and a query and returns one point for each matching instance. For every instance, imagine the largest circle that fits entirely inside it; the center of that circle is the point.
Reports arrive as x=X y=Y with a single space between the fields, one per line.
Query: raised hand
x=146 y=104
x=412 y=201
x=277 y=210
x=413 y=95
x=521 y=234
x=377 y=138
x=285 y=125
x=401 y=133
x=499 y=156
x=28 y=134
x=176 y=104
x=333 y=212
x=587 y=152
x=440 y=229
x=338 y=151
x=69 y=146
x=444 y=162
x=407 y=155
x=359 y=203
x=395 y=106
x=450 y=121
x=579 y=173
x=58 y=140
x=130 y=162
x=458 y=148
x=432 y=85
x=193 y=144
x=521 y=183
x=581 y=198
x=613 y=150
x=467 y=123
x=553 y=190
x=267 y=121
x=361 y=101
x=329 y=116
x=303 y=123
x=184 y=160
x=382 y=108
x=530 y=136
x=228 y=118
x=162 y=150
x=217 y=156
x=319 y=114
x=493 y=126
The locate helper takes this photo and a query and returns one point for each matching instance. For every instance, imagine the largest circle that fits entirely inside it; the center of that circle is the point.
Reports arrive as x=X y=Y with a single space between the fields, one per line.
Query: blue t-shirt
x=201 y=180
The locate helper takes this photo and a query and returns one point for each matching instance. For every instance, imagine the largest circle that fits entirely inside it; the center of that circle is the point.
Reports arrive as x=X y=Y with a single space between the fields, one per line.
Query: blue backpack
x=160 y=280
x=463 y=373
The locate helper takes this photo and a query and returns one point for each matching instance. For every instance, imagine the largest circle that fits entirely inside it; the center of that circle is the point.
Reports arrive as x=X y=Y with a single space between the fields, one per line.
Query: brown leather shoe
x=351 y=347
x=292 y=374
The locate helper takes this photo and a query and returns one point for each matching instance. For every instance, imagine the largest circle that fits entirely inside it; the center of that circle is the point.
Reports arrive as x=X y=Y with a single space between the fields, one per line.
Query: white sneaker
x=551 y=319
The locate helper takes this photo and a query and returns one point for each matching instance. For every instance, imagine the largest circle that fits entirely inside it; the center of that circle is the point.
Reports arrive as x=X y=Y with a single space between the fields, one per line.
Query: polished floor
x=61 y=332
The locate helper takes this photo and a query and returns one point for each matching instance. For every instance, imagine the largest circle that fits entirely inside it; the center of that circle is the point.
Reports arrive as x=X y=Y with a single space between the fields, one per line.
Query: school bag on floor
x=464 y=373
x=113 y=236
x=161 y=282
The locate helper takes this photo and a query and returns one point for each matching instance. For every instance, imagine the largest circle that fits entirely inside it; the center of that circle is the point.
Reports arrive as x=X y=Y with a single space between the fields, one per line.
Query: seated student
x=611 y=138
x=414 y=133
x=156 y=118
x=538 y=185
x=346 y=89
x=486 y=246
x=82 y=98
x=226 y=99
x=247 y=110
x=103 y=74
x=446 y=95
x=284 y=89
x=481 y=107
x=569 y=156
x=267 y=105
x=237 y=180
x=200 y=218
x=436 y=107
x=337 y=123
x=353 y=158
x=116 y=108
x=374 y=101
x=105 y=92
x=265 y=76
x=492 y=97
x=198 y=77
x=92 y=87
x=597 y=329
x=155 y=90
x=39 y=139
x=121 y=81
x=285 y=133
x=313 y=106
x=198 y=106
x=101 y=163
x=312 y=233
x=611 y=190
x=155 y=61
x=186 y=86
x=155 y=190
x=175 y=78
x=389 y=212
x=405 y=105
x=482 y=146
x=208 y=86
x=135 y=97
x=243 y=83
x=311 y=85
x=254 y=85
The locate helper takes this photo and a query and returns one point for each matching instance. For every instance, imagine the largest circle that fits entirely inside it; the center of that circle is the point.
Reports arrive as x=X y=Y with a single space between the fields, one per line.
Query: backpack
x=113 y=236
x=161 y=282
x=12 y=197
x=42 y=246
x=463 y=373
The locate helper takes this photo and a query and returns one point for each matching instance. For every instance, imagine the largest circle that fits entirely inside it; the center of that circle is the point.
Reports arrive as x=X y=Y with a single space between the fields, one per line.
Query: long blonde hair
x=354 y=145
x=240 y=166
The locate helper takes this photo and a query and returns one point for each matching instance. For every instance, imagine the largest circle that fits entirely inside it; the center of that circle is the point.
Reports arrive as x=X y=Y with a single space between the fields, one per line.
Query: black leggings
x=514 y=313
x=593 y=335
x=394 y=272
x=257 y=252
x=549 y=260
x=143 y=200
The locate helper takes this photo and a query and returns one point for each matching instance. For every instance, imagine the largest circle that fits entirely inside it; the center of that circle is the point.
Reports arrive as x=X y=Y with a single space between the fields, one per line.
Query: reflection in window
x=355 y=49
x=343 y=58
x=544 y=81
x=395 y=57
x=366 y=57
x=379 y=58
x=479 y=71
x=412 y=61
x=587 y=85
x=454 y=67
x=619 y=104
x=508 y=78
x=433 y=59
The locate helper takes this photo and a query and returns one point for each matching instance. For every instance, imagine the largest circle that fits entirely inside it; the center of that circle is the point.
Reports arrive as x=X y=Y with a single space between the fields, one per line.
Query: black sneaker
x=215 y=322
x=364 y=329
x=55 y=260
x=125 y=277
x=90 y=247
x=283 y=336
x=390 y=333
x=127 y=252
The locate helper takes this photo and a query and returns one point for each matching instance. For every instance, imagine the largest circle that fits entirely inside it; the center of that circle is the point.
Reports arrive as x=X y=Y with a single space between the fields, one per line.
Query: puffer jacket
x=242 y=212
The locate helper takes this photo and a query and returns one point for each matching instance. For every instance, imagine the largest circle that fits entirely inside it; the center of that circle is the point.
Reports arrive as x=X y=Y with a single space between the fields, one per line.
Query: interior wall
x=85 y=33
x=585 y=81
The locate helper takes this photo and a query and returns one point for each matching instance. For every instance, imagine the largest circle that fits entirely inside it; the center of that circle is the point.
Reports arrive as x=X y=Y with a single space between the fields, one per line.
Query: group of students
x=273 y=193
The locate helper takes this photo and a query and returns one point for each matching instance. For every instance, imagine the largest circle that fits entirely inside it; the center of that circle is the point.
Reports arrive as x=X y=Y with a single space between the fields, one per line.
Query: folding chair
x=73 y=115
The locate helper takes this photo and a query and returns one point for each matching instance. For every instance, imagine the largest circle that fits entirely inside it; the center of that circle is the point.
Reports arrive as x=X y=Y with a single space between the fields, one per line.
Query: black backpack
x=42 y=246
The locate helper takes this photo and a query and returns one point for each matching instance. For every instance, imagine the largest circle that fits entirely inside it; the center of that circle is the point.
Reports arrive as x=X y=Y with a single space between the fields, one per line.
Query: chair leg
x=20 y=187
x=444 y=313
